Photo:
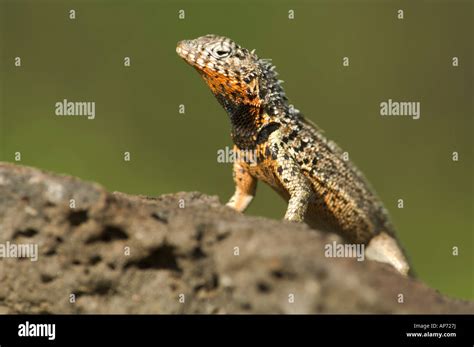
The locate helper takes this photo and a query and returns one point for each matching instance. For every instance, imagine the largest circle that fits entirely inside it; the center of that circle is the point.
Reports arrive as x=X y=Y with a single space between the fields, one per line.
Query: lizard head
x=231 y=72
x=244 y=85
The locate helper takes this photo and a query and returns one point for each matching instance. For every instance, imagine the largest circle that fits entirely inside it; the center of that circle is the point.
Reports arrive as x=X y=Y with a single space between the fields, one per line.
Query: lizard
x=291 y=153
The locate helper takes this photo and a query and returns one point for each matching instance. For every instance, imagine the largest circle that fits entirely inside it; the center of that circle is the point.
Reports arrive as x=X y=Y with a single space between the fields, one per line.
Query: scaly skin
x=292 y=155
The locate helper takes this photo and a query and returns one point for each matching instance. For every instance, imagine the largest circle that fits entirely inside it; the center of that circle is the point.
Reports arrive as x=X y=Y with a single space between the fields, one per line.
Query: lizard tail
x=384 y=248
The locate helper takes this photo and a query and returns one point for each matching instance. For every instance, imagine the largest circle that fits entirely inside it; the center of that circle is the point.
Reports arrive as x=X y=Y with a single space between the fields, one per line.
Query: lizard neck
x=261 y=102
x=246 y=121
x=271 y=92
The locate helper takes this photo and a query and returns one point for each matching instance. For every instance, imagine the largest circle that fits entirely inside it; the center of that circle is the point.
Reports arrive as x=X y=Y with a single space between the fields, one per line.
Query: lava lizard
x=291 y=154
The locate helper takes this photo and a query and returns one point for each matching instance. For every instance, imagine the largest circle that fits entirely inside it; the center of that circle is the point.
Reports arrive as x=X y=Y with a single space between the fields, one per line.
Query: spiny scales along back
x=289 y=152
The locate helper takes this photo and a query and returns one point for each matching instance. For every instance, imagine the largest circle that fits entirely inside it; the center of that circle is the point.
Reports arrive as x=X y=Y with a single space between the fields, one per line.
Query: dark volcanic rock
x=179 y=253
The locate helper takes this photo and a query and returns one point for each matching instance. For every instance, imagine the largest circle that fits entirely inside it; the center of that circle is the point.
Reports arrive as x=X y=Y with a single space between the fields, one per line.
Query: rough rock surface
x=116 y=253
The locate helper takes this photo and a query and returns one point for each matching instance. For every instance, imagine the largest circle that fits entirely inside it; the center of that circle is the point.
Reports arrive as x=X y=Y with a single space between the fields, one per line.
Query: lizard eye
x=221 y=52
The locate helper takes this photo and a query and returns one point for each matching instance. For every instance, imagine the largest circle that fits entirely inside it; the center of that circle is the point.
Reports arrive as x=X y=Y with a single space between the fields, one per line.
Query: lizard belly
x=263 y=169
x=265 y=173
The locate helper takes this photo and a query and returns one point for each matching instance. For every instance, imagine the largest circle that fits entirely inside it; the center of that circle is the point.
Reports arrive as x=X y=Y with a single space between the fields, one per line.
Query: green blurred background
x=137 y=107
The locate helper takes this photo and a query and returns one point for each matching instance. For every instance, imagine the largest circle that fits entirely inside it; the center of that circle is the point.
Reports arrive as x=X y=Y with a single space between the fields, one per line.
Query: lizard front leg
x=293 y=180
x=245 y=187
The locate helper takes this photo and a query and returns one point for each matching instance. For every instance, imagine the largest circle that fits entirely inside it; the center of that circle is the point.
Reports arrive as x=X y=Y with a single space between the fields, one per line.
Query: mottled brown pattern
x=292 y=155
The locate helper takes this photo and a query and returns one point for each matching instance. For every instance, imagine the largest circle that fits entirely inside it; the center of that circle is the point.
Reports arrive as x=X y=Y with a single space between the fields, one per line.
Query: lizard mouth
x=181 y=49
x=186 y=49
